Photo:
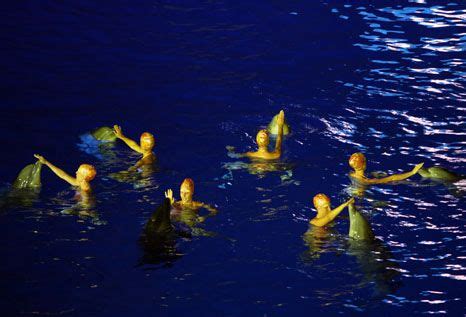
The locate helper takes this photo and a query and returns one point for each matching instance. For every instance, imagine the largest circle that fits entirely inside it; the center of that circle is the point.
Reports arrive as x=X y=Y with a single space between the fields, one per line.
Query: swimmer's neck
x=358 y=174
x=322 y=212
x=262 y=149
x=147 y=153
x=85 y=187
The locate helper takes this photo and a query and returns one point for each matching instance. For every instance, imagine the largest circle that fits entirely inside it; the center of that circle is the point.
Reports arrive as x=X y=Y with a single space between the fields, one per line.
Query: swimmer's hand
x=230 y=148
x=40 y=158
x=169 y=195
x=417 y=168
x=117 y=131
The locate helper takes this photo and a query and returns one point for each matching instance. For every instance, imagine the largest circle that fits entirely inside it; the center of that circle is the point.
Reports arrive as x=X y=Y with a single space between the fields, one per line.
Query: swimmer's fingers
x=169 y=195
x=117 y=130
x=417 y=167
x=40 y=158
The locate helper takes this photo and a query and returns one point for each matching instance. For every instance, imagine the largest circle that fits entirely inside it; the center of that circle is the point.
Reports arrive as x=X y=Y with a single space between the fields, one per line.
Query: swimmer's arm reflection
x=59 y=172
x=131 y=143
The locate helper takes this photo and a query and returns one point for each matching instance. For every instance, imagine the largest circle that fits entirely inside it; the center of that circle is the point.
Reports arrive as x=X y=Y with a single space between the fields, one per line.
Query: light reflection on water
x=403 y=107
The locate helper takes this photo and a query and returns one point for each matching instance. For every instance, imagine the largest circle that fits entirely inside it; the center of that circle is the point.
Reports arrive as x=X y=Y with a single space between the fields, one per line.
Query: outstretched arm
x=396 y=177
x=59 y=172
x=280 y=122
x=131 y=143
x=335 y=212
x=320 y=222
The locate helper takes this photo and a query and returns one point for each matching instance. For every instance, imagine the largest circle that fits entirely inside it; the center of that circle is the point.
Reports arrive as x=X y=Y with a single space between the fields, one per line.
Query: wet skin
x=325 y=214
x=84 y=175
x=145 y=147
x=358 y=162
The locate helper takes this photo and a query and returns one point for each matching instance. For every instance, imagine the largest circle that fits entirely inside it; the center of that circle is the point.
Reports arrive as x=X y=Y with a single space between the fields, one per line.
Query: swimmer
x=147 y=142
x=186 y=194
x=358 y=162
x=262 y=139
x=325 y=214
x=84 y=174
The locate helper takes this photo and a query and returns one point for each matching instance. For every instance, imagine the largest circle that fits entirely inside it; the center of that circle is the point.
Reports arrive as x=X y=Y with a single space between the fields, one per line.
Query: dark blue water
x=385 y=78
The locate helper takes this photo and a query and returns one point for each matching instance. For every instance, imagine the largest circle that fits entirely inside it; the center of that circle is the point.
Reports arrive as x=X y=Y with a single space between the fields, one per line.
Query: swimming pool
x=386 y=79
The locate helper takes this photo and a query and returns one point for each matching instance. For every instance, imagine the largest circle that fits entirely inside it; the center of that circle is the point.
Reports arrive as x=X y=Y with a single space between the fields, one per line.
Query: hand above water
x=40 y=158
x=117 y=131
x=169 y=195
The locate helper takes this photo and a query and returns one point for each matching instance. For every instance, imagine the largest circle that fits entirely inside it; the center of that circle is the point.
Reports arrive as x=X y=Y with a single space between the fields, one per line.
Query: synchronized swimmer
x=325 y=214
x=145 y=146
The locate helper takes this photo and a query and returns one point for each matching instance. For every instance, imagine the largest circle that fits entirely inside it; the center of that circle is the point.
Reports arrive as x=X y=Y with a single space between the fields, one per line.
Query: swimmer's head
x=187 y=190
x=321 y=201
x=147 y=141
x=86 y=172
x=357 y=161
x=262 y=138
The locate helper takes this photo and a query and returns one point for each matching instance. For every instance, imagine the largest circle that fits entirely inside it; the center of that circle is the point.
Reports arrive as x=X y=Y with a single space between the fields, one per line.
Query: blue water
x=385 y=78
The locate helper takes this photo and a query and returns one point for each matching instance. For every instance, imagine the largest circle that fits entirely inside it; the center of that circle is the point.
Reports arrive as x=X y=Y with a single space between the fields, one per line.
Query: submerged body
x=358 y=162
x=325 y=214
x=29 y=177
x=440 y=173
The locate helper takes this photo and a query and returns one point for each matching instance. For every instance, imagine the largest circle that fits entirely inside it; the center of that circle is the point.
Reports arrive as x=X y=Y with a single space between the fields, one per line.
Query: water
x=386 y=79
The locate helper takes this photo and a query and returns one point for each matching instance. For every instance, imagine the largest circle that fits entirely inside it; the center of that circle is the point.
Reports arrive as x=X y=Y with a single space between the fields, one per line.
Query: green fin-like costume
x=273 y=127
x=360 y=229
x=104 y=134
x=159 y=224
x=440 y=173
x=29 y=177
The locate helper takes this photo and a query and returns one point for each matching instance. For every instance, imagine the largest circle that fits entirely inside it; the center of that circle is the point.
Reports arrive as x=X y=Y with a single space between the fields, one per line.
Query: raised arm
x=132 y=144
x=335 y=212
x=59 y=172
x=396 y=177
x=280 y=122
x=320 y=222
